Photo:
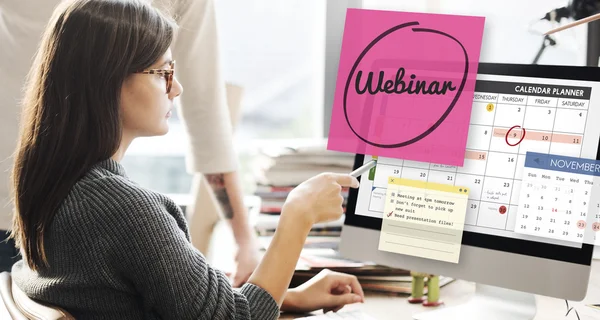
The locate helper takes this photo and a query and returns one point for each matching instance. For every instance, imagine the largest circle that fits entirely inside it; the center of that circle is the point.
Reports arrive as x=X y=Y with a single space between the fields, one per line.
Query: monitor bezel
x=581 y=255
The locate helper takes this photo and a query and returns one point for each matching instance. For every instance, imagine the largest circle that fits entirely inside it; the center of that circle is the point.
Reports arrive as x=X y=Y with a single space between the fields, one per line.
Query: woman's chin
x=164 y=130
x=161 y=130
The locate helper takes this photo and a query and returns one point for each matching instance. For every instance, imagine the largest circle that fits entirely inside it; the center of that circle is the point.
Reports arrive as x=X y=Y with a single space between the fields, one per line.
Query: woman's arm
x=275 y=271
x=316 y=200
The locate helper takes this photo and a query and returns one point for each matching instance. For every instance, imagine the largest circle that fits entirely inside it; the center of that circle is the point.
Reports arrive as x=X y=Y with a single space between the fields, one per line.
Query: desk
x=384 y=307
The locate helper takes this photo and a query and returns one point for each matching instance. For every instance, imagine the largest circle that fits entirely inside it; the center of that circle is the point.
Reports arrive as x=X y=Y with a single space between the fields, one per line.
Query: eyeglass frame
x=169 y=74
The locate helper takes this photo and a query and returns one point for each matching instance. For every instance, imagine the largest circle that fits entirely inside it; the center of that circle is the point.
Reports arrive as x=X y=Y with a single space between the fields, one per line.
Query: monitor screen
x=557 y=106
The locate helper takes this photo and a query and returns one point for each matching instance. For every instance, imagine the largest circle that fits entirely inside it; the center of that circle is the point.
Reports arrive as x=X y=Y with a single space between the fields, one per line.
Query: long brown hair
x=71 y=118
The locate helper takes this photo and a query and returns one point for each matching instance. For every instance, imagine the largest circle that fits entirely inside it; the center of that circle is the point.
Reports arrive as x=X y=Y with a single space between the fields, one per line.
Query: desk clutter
x=279 y=170
x=320 y=252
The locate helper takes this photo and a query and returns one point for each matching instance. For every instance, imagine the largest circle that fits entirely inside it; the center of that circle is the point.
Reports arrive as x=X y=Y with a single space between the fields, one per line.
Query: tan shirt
x=203 y=104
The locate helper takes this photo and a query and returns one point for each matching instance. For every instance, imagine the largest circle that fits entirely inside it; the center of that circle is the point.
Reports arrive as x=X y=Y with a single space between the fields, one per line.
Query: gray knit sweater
x=119 y=251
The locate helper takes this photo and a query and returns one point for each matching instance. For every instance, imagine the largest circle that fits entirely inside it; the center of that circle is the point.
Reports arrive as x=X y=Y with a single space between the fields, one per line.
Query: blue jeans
x=8 y=253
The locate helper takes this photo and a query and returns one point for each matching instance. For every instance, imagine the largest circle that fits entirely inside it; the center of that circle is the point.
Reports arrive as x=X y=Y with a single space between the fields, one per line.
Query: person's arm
x=203 y=106
x=228 y=191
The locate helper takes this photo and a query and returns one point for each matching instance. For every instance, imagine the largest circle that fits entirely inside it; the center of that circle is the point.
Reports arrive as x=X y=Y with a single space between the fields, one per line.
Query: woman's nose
x=176 y=89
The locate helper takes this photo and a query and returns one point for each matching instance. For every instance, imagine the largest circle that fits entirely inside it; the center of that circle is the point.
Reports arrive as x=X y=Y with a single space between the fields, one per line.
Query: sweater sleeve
x=149 y=249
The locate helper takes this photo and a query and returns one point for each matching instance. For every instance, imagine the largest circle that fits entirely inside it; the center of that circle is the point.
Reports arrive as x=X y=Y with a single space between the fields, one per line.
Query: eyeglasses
x=167 y=73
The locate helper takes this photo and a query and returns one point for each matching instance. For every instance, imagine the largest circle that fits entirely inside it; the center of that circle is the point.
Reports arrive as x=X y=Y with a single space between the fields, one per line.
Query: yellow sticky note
x=424 y=219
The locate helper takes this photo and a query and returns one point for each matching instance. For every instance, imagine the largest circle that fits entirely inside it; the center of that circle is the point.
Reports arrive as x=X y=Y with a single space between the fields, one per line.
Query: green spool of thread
x=433 y=289
x=418 y=284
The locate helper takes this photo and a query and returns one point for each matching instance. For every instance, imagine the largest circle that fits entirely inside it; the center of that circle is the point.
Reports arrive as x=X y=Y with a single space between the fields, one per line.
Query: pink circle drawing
x=581 y=224
x=596 y=226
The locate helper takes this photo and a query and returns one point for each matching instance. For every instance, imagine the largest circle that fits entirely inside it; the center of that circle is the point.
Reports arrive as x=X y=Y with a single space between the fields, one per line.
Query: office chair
x=17 y=305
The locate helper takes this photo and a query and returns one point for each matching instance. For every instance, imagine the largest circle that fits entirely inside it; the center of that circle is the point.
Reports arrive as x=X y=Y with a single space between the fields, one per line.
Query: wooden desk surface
x=384 y=307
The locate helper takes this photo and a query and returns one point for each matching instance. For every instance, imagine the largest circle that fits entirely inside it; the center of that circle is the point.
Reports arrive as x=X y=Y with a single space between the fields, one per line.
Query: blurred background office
x=277 y=51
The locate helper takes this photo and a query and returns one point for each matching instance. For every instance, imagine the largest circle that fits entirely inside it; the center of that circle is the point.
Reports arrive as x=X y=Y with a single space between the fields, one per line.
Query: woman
x=94 y=242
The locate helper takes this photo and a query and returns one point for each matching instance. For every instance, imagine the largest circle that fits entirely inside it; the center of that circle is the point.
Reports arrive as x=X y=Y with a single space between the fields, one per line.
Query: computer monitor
x=500 y=261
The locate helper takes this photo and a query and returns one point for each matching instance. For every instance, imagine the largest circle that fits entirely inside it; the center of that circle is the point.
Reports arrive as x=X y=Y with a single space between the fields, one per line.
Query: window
x=274 y=49
x=513 y=30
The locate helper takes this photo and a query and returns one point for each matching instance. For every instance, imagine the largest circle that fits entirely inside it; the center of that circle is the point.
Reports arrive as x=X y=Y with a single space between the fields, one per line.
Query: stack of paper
x=281 y=168
x=290 y=165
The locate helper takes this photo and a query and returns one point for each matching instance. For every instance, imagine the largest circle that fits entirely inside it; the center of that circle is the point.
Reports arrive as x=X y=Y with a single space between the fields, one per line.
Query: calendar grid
x=512 y=184
x=486 y=164
x=493 y=169
x=570 y=187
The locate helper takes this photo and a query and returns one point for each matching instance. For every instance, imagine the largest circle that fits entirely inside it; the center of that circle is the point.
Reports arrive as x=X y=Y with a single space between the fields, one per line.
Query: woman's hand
x=318 y=199
x=327 y=290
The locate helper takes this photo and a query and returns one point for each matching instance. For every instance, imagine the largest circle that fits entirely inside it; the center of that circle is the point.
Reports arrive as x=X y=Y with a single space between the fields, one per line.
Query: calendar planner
x=510 y=117
x=555 y=196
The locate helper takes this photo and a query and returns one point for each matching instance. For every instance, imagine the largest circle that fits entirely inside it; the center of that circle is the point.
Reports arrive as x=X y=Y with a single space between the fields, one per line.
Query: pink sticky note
x=405 y=85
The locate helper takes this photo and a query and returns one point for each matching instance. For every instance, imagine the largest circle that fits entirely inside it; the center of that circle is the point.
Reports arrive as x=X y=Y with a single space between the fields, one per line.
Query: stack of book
x=288 y=166
x=282 y=168
x=273 y=197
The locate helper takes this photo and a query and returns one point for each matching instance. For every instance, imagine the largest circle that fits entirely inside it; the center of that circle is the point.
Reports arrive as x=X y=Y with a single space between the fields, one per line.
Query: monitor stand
x=489 y=303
